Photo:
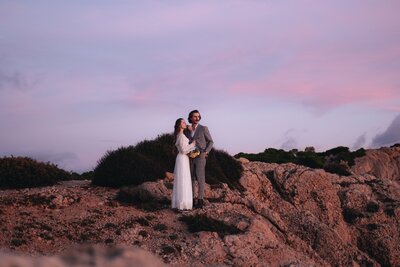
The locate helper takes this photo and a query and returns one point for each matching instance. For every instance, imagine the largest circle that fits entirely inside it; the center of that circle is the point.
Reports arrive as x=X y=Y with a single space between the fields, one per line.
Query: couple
x=190 y=138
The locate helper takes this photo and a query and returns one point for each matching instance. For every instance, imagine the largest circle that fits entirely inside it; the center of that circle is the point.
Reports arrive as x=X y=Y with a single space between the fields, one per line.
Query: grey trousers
x=198 y=171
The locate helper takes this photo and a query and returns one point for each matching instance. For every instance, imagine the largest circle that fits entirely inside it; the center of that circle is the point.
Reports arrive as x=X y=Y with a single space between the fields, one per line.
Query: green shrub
x=338 y=168
x=309 y=159
x=342 y=153
x=270 y=155
x=160 y=150
x=150 y=159
x=336 y=160
x=223 y=168
x=24 y=172
x=87 y=175
x=337 y=150
x=356 y=154
x=125 y=166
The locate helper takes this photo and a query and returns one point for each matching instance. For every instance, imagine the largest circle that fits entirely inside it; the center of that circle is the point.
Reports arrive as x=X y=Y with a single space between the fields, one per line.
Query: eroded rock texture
x=288 y=215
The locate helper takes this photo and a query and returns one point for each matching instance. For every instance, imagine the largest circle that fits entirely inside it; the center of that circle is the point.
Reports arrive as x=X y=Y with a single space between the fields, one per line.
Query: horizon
x=299 y=150
x=79 y=79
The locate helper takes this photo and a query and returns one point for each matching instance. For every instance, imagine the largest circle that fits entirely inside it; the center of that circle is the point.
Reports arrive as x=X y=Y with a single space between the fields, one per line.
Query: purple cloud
x=390 y=136
x=126 y=70
x=360 y=142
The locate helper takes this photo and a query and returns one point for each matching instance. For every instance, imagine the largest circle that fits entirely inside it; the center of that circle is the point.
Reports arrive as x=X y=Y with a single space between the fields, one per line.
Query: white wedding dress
x=182 y=196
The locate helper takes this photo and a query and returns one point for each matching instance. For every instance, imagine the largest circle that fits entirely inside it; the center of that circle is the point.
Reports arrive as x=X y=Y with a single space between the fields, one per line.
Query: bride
x=182 y=198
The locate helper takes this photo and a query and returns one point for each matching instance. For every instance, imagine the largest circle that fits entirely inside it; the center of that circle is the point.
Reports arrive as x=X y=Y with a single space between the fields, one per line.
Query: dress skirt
x=182 y=196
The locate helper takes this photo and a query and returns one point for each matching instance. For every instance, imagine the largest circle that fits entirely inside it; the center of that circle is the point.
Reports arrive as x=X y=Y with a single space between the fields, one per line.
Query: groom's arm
x=209 y=140
x=187 y=133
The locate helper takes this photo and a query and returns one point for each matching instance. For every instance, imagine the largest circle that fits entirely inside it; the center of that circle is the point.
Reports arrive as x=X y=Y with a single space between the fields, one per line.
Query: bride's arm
x=183 y=145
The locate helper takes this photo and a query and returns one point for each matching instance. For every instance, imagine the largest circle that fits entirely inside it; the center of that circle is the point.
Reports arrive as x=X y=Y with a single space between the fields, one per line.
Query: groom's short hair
x=191 y=114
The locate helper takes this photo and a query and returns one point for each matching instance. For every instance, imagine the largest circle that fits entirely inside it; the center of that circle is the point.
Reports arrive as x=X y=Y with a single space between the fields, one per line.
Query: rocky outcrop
x=288 y=215
x=383 y=163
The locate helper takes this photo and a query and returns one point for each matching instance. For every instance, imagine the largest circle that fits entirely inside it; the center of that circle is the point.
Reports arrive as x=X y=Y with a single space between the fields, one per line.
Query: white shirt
x=194 y=130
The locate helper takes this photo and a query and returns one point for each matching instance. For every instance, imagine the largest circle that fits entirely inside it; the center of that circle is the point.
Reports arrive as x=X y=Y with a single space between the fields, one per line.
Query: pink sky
x=80 y=78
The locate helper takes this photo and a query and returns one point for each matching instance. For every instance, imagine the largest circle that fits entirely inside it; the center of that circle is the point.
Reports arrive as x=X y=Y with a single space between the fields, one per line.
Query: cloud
x=360 y=142
x=390 y=136
x=323 y=79
x=10 y=81
x=289 y=141
x=122 y=64
x=235 y=52
x=289 y=144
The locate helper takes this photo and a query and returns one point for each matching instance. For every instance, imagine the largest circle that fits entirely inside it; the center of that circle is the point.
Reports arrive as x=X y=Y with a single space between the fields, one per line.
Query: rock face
x=383 y=163
x=288 y=215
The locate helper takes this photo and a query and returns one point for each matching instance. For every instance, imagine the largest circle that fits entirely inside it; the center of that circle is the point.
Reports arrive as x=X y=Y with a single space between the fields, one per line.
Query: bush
x=339 y=168
x=336 y=160
x=125 y=166
x=223 y=168
x=160 y=150
x=270 y=155
x=342 y=153
x=87 y=175
x=309 y=159
x=24 y=172
x=150 y=159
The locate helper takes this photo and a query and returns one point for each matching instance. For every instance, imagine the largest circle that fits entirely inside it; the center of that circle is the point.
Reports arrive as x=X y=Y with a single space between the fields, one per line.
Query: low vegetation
x=150 y=159
x=24 y=172
x=337 y=160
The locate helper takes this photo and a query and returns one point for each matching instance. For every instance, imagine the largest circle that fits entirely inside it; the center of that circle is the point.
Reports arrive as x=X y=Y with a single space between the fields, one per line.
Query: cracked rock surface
x=288 y=215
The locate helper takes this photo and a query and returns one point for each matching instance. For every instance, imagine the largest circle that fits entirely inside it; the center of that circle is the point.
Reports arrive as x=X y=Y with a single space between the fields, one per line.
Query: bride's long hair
x=176 y=127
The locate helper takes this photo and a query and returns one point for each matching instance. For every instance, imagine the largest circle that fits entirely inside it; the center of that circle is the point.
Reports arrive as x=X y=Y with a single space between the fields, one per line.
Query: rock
x=146 y=192
x=87 y=256
x=243 y=160
x=383 y=163
x=169 y=176
x=287 y=215
x=211 y=248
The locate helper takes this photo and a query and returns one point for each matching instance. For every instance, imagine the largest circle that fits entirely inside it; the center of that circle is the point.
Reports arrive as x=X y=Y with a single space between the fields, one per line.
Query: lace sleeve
x=183 y=145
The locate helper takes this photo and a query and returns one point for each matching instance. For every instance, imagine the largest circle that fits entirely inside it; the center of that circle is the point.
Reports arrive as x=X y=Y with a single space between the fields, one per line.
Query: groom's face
x=195 y=118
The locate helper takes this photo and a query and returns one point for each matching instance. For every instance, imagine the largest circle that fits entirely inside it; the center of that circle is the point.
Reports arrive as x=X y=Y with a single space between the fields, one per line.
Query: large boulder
x=383 y=163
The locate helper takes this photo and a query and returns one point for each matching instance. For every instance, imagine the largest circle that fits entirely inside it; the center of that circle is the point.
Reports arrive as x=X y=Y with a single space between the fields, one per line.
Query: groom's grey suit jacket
x=204 y=141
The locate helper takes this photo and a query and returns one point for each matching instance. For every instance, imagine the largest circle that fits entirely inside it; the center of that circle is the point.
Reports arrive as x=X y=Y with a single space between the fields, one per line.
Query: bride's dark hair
x=176 y=131
x=176 y=127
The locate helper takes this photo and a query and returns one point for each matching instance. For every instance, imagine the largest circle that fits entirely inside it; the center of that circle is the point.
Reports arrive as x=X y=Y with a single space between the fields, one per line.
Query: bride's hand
x=189 y=127
x=194 y=142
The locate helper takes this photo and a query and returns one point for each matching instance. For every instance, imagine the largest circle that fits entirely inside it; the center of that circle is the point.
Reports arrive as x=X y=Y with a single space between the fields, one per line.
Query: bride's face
x=183 y=124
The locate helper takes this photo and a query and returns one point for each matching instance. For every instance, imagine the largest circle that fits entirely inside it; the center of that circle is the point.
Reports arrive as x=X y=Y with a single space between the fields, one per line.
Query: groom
x=204 y=144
